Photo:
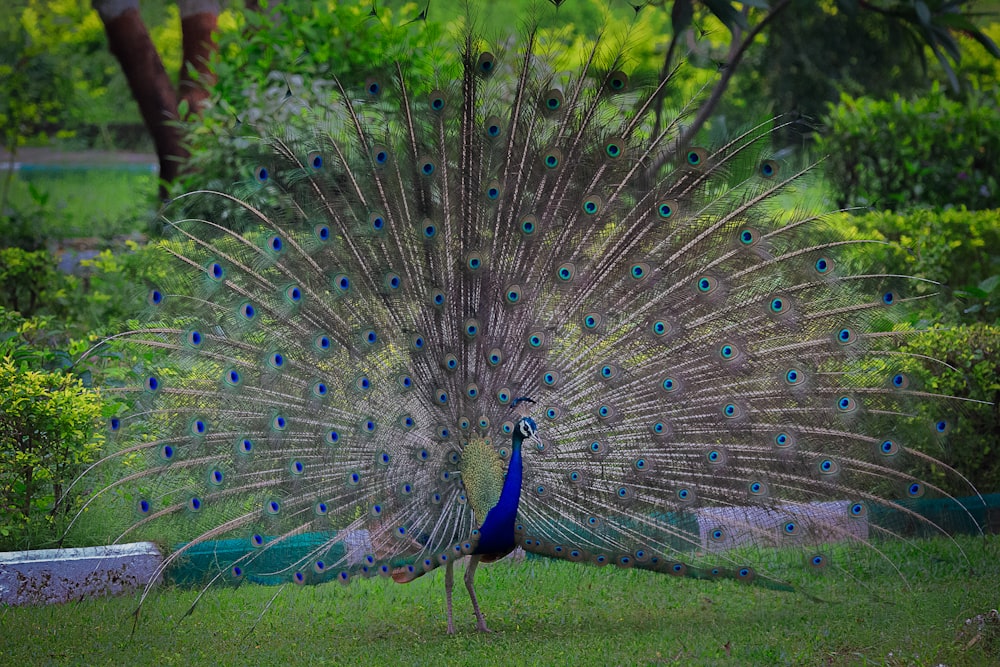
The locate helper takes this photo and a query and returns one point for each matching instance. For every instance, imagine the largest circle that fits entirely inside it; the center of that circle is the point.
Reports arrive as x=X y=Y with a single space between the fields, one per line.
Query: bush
x=31 y=285
x=47 y=433
x=973 y=445
x=958 y=248
x=930 y=152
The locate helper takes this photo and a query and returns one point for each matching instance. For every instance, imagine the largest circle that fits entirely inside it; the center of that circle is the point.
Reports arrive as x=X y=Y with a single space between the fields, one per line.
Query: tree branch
x=728 y=69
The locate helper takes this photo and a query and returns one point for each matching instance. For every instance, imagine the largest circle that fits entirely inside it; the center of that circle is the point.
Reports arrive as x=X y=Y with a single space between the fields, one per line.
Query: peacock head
x=526 y=429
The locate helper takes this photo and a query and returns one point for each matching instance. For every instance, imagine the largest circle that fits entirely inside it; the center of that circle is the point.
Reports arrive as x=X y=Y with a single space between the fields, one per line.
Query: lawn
x=541 y=612
x=99 y=201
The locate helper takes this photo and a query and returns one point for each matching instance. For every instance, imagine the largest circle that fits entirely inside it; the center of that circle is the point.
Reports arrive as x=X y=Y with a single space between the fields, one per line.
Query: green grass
x=101 y=202
x=541 y=612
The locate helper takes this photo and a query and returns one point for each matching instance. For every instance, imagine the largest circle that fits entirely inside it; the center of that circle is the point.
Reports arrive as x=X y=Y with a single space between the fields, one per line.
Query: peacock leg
x=449 y=582
x=470 y=576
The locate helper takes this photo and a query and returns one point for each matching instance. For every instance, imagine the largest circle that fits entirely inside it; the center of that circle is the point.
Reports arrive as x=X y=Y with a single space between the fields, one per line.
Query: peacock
x=454 y=316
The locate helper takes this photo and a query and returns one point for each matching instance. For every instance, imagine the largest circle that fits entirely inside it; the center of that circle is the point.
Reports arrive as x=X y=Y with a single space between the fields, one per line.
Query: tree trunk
x=131 y=44
x=199 y=18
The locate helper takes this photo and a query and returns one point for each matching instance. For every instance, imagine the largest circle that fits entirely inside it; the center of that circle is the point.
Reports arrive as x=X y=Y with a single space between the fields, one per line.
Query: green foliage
x=896 y=154
x=47 y=434
x=57 y=77
x=812 y=56
x=22 y=223
x=276 y=67
x=116 y=283
x=30 y=283
x=973 y=445
x=958 y=248
x=62 y=202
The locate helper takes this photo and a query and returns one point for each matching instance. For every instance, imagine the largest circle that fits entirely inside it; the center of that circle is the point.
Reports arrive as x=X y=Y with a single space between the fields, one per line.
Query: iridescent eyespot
x=639 y=271
x=617 y=81
x=592 y=205
x=437 y=102
x=827 y=467
x=846 y=336
x=528 y=225
x=696 y=157
x=261 y=174
x=706 y=285
x=373 y=86
x=474 y=261
x=552 y=158
x=513 y=294
x=666 y=209
x=728 y=352
x=846 y=404
x=614 y=148
x=565 y=272
x=552 y=100
x=427 y=166
x=888 y=448
x=493 y=190
x=748 y=236
x=486 y=63
x=769 y=169
x=315 y=160
x=494 y=127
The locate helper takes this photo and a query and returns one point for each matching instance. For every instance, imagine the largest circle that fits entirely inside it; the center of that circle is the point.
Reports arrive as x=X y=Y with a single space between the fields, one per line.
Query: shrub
x=30 y=283
x=47 y=433
x=958 y=248
x=973 y=445
x=929 y=152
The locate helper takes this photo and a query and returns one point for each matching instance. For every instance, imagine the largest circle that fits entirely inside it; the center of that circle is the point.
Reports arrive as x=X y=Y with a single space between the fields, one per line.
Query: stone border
x=44 y=576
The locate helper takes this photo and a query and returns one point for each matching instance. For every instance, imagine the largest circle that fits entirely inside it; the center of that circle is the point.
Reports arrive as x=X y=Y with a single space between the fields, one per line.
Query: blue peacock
x=455 y=317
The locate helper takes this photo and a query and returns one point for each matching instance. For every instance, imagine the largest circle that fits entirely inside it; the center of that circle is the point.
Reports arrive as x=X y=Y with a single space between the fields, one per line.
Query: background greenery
x=917 y=160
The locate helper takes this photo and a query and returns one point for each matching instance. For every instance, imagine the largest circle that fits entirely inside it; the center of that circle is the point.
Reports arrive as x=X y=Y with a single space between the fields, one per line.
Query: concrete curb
x=44 y=576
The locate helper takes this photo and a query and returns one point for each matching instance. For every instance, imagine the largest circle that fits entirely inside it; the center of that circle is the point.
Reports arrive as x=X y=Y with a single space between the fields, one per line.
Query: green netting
x=272 y=566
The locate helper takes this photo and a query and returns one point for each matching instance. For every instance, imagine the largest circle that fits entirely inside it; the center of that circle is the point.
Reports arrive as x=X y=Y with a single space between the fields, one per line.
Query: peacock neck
x=497 y=532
